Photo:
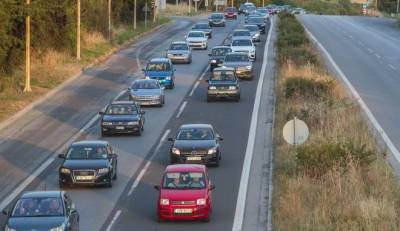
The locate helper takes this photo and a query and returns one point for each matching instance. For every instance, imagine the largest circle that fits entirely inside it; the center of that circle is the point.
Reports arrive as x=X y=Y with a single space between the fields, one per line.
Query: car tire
x=61 y=185
x=207 y=219
x=237 y=99
x=103 y=133
x=110 y=182
x=139 y=133
x=115 y=175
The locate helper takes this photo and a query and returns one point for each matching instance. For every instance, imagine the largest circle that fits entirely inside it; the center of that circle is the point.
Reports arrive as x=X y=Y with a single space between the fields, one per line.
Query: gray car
x=254 y=32
x=147 y=92
x=240 y=61
x=203 y=26
x=179 y=52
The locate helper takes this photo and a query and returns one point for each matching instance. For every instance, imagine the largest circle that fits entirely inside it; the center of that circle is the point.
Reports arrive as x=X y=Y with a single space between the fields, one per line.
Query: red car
x=184 y=193
x=230 y=13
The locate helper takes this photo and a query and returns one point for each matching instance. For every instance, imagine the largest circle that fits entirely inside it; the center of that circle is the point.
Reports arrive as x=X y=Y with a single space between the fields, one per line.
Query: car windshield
x=87 y=153
x=38 y=207
x=223 y=76
x=196 y=34
x=217 y=16
x=241 y=33
x=178 y=46
x=184 y=180
x=145 y=85
x=195 y=134
x=251 y=8
x=237 y=58
x=158 y=66
x=252 y=28
x=201 y=26
x=255 y=20
x=220 y=51
x=121 y=109
x=230 y=10
x=241 y=42
x=262 y=11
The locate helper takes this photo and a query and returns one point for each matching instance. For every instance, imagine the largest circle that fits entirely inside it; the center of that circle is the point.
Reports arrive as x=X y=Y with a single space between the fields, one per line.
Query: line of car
x=185 y=188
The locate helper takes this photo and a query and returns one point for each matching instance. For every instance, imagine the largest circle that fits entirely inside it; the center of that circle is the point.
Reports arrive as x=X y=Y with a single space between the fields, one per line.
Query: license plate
x=183 y=211
x=120 y=127
x=193 y=158
x=84 y=177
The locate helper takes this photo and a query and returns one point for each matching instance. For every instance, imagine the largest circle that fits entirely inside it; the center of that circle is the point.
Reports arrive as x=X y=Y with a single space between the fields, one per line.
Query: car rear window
x=158 y=66
x=255 y=20
x=196 y=34
x=195 y=134
x=237 y=58
x=201 y=26
x=178 y=47
x=217 y=16
x=220 y=51
x=223 y=76
x=145 y=85
x=184 y=180
x=38 y=207
x=241 y=33
x=252 y=28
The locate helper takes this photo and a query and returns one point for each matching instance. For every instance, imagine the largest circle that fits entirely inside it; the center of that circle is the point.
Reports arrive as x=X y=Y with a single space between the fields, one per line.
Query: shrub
x=315 y=160
x=307 y=88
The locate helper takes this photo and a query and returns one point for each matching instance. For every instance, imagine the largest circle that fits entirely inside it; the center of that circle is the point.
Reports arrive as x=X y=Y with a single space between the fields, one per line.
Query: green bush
x=306 y=88
x=315 y=160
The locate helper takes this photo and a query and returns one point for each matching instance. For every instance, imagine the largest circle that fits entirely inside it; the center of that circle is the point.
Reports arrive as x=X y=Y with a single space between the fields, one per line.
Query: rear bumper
x=198 y=45
x=227 y=16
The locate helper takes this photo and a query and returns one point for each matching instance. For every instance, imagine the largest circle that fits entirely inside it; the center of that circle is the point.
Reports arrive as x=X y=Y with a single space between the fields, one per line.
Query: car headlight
x=248 y=67
x=201 y=201
x=147 y=77
x=107 y=123
x=213 y=61
x=59 y=228
x=164 y=201
x=169 y=55
x=232 y=87
x=65 y=170
x=9 y=229
x=168 y=78
x=176 y=151
x=102 y=170
x=133 y=123
x=212 y=151
x=212 y=88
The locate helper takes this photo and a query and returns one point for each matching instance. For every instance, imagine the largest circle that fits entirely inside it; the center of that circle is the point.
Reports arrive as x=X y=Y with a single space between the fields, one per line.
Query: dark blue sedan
x=161 y=69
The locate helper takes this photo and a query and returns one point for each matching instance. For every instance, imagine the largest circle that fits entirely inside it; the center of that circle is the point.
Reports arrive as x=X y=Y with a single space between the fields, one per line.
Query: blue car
x=161 y=69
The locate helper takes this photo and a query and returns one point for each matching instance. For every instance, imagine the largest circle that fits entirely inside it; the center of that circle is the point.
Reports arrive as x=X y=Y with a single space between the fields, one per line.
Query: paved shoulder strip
x=244 y=180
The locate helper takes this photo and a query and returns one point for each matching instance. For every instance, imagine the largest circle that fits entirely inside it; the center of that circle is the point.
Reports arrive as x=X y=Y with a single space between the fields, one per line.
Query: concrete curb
x=101 y=59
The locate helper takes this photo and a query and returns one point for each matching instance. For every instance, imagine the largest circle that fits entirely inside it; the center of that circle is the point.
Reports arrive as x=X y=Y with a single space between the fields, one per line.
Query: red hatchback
x=184 y=193
x=230 y=13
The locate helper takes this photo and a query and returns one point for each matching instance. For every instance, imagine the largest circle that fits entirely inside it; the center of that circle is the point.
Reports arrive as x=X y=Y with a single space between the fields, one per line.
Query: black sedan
x=223 y=84
x=122 y=117
x=196 y=143
x=88 y=163
x=216 y=19
x=259 y=21
x=217 y=56
x=43 y=210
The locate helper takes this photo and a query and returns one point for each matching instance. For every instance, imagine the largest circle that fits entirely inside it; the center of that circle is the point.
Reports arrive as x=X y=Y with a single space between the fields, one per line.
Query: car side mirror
x=157 y=187
x=209 y=54
x=171 y=139
x=142 y=112
x=220 y=138
x=129 y=88
x=143 y=69
x=5 y=212
x=61 y=156
x=101 y=113
x=113 y=156
x=212 y=187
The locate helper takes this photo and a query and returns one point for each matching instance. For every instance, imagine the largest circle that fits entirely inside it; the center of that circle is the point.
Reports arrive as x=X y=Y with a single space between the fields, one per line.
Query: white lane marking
x=143 y=171
x=244 y=180
x=202 y=75
x=378 y=56
x=370 y=51
x=117 y=214
x=391 y=67
x=139 y=65
x=363 y=105
x=194 y=88
x=181 y=109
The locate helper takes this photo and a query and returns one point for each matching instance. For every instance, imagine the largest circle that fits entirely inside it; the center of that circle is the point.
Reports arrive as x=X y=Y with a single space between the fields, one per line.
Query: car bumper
x=120 y=129
x=148 y=102
x=179 y=59
x=223 y=93
x=204 y=159
x=198 y=212
x=198 y=45
x=70 y=179
x=230 y=16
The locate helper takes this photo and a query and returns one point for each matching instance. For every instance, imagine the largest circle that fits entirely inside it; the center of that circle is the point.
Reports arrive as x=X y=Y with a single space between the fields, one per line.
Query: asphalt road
x=368 y=53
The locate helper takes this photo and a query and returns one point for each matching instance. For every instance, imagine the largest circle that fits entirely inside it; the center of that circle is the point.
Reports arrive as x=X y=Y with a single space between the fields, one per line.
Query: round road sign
x=295 y=132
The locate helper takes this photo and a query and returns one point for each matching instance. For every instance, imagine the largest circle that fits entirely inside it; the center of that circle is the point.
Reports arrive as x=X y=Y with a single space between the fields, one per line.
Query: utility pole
x=28 y=50
x=78 y=29
x=398 y=3
x=190 y=6
x=109 y=20
x=232 y=3
x=135 y=15
x=176 y=3
x=195 y=6
x=154 y=10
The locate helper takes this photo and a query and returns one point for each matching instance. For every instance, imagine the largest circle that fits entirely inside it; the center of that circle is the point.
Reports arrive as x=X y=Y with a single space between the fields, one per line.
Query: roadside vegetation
x=181 y=9
x=329 y=7
x=53 y=44
x=338 y=179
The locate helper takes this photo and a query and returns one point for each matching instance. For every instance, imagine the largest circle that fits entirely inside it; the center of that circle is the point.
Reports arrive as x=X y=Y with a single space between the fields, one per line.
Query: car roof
x=41 y=194
x=241 y=38
x=224 y=69
x=198 y=23
x=159 y=60
x=240 y=30
x=144 y=80
x=197 y=31
x=215 y=13
x=237 y=53
x=185 y=168
x=127 y=102
x=179 y=42
x=196 y=126
x=90 y=143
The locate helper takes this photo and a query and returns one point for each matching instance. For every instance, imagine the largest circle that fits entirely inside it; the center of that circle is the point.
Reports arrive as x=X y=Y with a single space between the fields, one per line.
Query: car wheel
x=103 y=133
x=61 y=185
x=173 y=160
x=172 y=85
x=139 y=133
x=207 y=219
x=237 y=98
x=110 y=182
x=115 y=173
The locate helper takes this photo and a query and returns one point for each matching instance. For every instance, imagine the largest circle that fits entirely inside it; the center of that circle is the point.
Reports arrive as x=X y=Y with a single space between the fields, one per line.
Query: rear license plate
x=193 y=158
x=183 y=211
x=120 y=127
x=84 y=177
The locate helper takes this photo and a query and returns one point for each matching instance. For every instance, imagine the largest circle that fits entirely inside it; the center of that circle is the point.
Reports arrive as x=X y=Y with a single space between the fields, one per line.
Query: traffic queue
x=185 y=189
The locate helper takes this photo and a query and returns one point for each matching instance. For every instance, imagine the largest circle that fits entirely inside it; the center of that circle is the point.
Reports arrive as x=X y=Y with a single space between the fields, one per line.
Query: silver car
x=240 y=61
x=241 y=34
x=254 y=32
x=147 y=92
x=179 y=52
x=244 y=45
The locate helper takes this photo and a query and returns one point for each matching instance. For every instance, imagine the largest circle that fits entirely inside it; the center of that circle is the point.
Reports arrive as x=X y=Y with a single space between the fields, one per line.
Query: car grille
x=158 y=78
x=183 y=202
x=84 y=173
x=119 y=123
x=242 y=51
x=194 y=153
x=147 y=97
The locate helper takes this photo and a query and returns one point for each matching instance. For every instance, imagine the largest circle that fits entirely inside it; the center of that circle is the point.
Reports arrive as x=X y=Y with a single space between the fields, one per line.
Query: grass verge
x=181 y=9
x=337 y=180
x=50 y=68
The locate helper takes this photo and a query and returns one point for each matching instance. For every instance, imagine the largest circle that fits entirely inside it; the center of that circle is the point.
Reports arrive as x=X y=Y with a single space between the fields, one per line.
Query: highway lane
x=367 y=51
x=232 y=120
x=95 y=204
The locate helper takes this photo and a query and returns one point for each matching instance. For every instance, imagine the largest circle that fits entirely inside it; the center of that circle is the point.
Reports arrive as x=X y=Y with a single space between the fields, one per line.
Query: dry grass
x=180 y=10
x=355 y=198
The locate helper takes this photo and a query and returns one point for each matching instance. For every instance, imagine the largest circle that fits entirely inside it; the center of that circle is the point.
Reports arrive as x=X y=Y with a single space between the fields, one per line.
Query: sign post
x=145 y=10
x=28 y=51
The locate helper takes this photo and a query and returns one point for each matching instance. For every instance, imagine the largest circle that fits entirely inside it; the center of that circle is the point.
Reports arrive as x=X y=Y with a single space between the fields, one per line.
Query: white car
x=244 y=45
x=197 y=39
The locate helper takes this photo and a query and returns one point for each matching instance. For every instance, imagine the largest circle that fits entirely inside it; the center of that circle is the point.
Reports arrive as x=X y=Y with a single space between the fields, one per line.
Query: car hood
x=183 y=194
x=178 y=52
x=196 y=39
x=194 y=144
x=205 y=30
x=242 y=37
x=241 y=48
x=35 y=223
x=222 y=83
x=120 y=118
x=216 y=20
x=86 y=164
x=216 y=57
x=236 y=64
x=141 y=92
x=158 y=73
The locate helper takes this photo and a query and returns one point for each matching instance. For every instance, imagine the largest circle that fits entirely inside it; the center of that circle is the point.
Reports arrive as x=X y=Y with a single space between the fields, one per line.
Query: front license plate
x=183 y=211
x=120 y=127
x=84 y=177
x=193 y=158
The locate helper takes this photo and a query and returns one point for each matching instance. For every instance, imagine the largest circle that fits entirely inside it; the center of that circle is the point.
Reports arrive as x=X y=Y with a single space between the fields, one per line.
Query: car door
x=140 y=112
x=71 y=214
x=209 y=190
x=112 y=160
